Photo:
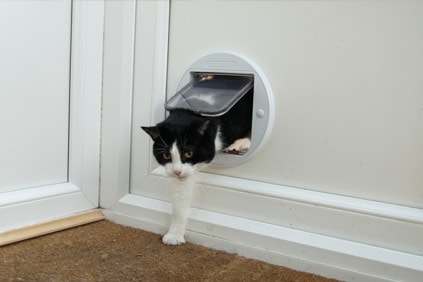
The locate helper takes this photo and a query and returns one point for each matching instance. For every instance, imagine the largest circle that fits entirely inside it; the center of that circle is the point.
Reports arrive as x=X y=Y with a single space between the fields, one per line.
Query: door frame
x=119 y=63
x=81 y=193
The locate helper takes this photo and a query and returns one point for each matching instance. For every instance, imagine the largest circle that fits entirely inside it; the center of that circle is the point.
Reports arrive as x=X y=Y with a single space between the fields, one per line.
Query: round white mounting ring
x=263 y=102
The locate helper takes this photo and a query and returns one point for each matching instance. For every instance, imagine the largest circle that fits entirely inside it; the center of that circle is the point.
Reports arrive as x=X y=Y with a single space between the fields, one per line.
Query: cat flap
x=210 y=94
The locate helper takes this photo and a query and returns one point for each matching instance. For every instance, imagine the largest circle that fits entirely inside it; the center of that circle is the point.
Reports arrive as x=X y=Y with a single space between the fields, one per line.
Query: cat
x=186 y=142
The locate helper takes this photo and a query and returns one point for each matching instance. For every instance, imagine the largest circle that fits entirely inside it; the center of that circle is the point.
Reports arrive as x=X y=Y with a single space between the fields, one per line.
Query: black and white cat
x=186 y=142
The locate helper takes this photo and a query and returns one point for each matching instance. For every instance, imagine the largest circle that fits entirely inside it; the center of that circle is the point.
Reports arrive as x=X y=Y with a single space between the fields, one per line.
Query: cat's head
x=183 y=149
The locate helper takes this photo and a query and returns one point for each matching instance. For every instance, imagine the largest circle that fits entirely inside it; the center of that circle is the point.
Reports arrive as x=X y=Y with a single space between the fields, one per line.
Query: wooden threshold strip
x=29 y=232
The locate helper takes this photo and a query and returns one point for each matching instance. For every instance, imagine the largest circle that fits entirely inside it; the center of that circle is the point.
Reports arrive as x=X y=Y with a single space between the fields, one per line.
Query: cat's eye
x=188 y=154
x=166 y=156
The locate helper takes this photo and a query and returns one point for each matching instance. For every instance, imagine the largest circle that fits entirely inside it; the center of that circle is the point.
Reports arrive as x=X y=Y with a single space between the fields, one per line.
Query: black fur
x=196 y=133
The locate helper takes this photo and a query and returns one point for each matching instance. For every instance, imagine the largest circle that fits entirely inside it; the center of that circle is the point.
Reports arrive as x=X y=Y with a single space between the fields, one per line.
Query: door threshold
x=45 y=228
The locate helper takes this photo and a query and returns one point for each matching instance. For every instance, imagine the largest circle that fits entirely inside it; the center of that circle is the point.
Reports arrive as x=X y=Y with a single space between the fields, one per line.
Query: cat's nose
x=177 y=172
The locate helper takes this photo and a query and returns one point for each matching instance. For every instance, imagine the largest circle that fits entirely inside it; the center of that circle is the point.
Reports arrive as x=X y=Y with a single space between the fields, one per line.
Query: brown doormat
x=105 y=251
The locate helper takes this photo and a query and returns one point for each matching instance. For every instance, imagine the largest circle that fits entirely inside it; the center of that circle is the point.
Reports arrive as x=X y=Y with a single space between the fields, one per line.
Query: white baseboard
x=236 y=225
x=22 y=208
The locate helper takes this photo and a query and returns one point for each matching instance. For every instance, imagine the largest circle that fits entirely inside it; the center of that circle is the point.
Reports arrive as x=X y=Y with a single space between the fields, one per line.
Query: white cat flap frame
x=248 y=217
x=231 y=64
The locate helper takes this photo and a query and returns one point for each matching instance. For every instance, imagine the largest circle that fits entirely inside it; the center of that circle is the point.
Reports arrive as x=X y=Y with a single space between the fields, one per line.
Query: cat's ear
x=203 y=127
x=152 y=131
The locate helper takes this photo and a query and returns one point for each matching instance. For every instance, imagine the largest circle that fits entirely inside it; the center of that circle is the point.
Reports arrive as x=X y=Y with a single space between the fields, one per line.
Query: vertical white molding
x=118 y=83
x=152 y=32
x=117 y=100
x=161 y=44
x=85 y=97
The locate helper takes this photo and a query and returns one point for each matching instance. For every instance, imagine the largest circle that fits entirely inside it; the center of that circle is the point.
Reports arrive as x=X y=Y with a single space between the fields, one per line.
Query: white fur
x=176 y=165
x=182 y=194
x=240 y=145
x=183 y=175
x=218 y=141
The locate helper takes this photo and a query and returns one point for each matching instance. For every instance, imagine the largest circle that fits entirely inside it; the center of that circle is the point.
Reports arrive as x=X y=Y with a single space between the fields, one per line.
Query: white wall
x=347 y=79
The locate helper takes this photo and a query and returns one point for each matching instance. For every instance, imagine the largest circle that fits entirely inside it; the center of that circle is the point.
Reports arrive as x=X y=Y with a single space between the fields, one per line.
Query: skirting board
x=29 y=232
x=305 y=251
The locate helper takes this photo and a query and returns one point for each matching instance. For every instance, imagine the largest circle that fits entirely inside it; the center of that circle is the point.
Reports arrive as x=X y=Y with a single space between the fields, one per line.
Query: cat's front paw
x=240 y=145
x=173 y=239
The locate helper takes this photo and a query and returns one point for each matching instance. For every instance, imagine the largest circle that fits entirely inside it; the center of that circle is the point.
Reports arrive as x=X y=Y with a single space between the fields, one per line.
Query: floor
x=105 y=251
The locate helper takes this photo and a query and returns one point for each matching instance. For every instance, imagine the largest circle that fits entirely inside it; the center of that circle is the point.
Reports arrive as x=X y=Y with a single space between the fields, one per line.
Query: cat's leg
x=240 y=145
x=182 y=195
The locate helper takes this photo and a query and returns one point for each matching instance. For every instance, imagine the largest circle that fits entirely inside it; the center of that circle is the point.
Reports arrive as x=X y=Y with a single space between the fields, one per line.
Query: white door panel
x=348 y=94
x=34 y=93
x=50 y=103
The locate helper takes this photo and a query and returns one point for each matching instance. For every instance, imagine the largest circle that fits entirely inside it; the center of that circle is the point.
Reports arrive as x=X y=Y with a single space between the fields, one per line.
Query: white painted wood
x=331 y=234
x=24 y=208
x=384 y=225
x=117 y=100
x=79 y=191
x=86 y=93
x=152 y=42
x=31 y=194
x=34 y=93
x=151 y=45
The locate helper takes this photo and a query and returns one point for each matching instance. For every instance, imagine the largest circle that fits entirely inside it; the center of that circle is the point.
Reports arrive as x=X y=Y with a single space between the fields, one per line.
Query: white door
x=43 y=110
